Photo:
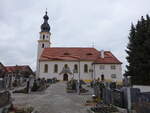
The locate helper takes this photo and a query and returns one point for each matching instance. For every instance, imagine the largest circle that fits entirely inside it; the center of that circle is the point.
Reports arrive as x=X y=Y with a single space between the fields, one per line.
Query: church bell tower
x=44 y=40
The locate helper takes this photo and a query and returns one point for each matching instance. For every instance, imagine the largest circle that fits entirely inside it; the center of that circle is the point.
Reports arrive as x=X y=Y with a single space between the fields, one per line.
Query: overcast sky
x=104 y=23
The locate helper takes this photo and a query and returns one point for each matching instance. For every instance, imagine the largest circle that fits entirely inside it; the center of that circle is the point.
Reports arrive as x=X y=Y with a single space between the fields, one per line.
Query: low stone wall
x=142 y=88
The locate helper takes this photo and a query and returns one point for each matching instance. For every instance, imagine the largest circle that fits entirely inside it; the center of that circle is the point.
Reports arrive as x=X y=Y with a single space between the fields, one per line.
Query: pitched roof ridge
x=69 y=47
x=106 y=51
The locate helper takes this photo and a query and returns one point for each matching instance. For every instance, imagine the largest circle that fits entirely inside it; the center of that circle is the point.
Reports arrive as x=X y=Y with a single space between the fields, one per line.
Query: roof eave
x=107 y=63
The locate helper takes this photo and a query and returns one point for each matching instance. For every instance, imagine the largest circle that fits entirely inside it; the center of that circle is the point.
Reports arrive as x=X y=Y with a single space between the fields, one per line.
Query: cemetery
x=6 y=101
x=125 y=98
x=102 y=96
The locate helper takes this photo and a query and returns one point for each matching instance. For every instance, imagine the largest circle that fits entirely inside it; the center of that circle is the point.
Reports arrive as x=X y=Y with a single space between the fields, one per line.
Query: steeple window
x=42 y=45
x=43 y=37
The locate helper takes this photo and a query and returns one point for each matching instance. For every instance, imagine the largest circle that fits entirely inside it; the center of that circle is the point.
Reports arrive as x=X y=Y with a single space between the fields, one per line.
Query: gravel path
x=53 y=100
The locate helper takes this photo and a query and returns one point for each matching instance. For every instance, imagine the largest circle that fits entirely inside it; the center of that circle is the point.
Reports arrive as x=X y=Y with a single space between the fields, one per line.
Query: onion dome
x=45 y=27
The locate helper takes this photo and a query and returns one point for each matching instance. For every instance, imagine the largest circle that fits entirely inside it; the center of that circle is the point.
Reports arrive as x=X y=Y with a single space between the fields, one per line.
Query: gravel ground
x=54 y=100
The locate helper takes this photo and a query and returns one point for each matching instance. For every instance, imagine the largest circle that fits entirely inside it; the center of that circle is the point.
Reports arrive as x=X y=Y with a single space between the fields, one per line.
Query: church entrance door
x=65 y=78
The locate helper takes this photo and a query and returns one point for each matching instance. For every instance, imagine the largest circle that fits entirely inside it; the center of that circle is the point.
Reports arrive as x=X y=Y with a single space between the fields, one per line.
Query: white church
x=65 y=63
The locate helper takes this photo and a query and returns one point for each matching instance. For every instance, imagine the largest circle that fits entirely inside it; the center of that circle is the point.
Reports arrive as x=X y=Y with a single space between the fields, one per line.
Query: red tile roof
x=15 y=68
x=109 y=58
x=75 y=54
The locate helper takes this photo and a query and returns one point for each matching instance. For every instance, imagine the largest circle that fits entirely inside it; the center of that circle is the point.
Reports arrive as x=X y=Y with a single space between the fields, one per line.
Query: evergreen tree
x=138 y=51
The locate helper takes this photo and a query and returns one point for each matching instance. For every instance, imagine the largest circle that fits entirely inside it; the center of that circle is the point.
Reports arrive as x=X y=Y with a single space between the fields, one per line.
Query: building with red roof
x=15 y=74
x=65 y=63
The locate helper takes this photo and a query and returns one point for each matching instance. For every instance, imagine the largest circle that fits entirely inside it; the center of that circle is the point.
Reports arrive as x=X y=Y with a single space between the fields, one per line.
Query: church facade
x=65 y=63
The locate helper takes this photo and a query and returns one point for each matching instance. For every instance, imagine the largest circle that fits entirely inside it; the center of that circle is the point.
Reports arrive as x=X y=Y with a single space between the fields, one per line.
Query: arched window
x=55 y=68
x=102 y=77
x=66 y=66
x=46 y=68
x=43 y=37
x=75 y=68
x=85 y=68
x=42 y=45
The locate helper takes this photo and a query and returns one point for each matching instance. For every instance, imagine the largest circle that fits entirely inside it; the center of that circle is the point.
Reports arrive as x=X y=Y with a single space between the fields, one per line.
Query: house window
x=42 y=45
x=46 y=68
x=85 y=68
x=113 y=75
x=75 y=68
x=113 y=67
x=102 y=67
x=55 y=68
x=43 y=37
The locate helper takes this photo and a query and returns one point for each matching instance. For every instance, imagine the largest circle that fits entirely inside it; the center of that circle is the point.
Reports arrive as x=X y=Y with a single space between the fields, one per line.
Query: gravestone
x=117 y=98
x=107 y=97
x=135 y=93
x=5 y=98
x=1 y=84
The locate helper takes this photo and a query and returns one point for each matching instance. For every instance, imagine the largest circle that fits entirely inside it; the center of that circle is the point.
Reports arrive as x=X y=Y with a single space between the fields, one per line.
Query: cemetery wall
x=142 y=88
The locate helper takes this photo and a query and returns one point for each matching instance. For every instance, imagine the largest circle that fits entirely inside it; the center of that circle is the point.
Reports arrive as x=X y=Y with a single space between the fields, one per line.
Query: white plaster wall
x=84 y=76
x=40 y=49
x=51 y=74
x=107 y=71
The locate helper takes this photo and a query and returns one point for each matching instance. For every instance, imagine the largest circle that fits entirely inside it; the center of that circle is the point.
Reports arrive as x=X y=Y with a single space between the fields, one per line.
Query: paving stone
x=54 y=100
